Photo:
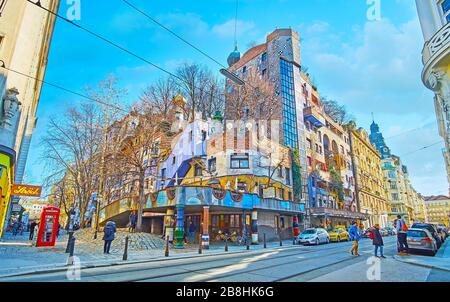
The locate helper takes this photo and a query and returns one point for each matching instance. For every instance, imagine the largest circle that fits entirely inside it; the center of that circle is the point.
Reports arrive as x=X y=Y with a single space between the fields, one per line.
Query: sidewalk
x=18 y=257
x=440 y=261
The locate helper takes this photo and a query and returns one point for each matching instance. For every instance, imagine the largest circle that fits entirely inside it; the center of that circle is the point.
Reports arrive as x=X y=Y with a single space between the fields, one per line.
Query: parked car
x=443 y=230
x=432 y=229
x=338 y=235
x=313 y=236
x=391 y=231
x=384 y=232
x=421 y=239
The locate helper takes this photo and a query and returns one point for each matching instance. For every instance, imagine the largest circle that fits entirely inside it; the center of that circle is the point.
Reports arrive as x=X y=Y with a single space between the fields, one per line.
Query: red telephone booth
x=48 y=227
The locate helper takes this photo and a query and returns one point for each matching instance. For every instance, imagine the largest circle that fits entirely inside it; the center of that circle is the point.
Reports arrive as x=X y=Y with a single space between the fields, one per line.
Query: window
x=163 y=173
x=308 y=143
x=191 y=135
x=2 y=7
x=264 y=57
x=446 y=9
x=198 y=171
x=203 y=135
x=264 y=71
x=244 y=69
x=239 y=161
x=280 y=172
x=174 y=160
x=309 y=161
x=212 y=165
x=288 y=176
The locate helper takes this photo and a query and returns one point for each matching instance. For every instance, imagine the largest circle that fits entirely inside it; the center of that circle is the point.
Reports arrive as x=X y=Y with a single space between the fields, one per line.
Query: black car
x=433 y=230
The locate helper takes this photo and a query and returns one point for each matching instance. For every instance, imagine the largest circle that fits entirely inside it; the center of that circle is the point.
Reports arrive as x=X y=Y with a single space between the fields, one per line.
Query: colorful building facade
x=438 y=209
x=434 y=16
x=370 y=185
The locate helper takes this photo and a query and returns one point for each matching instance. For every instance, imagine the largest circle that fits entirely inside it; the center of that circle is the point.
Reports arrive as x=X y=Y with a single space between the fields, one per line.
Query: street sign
x=26 y=190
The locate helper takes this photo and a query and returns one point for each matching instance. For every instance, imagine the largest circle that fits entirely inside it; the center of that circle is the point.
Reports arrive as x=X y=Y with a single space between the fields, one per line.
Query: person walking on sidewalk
x=402 y=243
x=108 y=237
x=32 y=227
x=191 y=232
x=354 y=236
x=377 y=241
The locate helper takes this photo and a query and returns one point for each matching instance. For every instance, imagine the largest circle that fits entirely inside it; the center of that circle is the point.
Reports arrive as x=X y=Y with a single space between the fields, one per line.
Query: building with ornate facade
x=25 y=35
x=438 y=209
x=434 y=16
x=370 y=185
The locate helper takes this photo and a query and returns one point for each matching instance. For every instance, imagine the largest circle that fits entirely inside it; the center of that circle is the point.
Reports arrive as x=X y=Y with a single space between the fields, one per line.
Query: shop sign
x=26 y=190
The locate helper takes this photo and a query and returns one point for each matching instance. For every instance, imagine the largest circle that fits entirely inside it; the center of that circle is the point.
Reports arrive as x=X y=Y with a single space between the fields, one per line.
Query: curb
x=422 y=264
x=61 y=268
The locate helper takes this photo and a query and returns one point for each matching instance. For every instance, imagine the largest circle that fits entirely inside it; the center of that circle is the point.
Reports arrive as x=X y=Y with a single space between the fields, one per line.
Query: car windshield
x=414 y=233
x=310 y=231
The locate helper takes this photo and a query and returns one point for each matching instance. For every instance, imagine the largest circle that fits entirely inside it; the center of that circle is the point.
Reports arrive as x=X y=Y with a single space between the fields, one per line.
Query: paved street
x=330 y=262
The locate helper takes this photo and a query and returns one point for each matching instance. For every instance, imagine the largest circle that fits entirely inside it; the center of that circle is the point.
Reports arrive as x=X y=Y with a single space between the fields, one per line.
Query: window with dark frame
x=239 y=161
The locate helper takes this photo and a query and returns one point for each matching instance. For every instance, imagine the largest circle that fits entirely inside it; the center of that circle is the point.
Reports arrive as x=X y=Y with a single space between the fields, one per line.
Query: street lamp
x=232 y=76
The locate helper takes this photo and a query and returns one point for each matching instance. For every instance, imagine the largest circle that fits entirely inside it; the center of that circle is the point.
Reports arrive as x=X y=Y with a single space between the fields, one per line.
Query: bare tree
x=138 y=132
x=336 y=111
x=159 y=95
x=72 y=144
x=201 y=88
x=255 y=99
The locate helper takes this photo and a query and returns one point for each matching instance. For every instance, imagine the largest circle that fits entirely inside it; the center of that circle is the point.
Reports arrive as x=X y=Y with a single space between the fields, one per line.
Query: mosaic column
x=168 y=227
x=254 y=227
x=179 y=231
x=205 y=228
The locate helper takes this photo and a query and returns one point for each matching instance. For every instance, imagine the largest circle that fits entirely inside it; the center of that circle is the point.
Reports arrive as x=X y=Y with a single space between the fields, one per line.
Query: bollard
x=167 y=247
x=293 y=241
x=281 y=241
x=226 y=243
x=248 y=244
x=69 y=241
x=71 y=251
x=200 y=244
x=264 y=238
x=125 y=252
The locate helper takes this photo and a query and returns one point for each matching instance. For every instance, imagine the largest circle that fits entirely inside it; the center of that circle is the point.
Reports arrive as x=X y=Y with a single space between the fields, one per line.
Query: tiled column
x=205 y=230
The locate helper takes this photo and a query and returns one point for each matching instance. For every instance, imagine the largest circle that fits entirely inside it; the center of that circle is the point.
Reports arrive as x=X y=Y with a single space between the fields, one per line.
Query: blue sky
x=369 y=66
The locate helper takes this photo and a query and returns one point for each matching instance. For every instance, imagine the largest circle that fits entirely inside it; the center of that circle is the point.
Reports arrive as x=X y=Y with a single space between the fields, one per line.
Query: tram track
x=340 y=251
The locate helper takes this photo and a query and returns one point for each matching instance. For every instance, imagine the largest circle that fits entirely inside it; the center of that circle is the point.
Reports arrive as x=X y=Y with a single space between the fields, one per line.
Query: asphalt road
x=330 y=262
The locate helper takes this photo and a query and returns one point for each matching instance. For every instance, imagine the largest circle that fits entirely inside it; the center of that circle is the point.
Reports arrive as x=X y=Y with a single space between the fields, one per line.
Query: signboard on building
x=26 y=190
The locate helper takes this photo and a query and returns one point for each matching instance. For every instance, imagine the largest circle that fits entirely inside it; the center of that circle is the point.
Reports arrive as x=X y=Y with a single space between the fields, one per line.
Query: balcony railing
x=314 y=117
x=434 y=50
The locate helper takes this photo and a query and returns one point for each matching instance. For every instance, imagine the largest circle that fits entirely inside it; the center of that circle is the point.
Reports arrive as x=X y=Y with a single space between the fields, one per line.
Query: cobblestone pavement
x=17 y=255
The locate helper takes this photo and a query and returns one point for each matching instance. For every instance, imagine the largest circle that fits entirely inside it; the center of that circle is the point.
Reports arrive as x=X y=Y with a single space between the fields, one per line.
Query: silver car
x=421 y=240
x=313 y=236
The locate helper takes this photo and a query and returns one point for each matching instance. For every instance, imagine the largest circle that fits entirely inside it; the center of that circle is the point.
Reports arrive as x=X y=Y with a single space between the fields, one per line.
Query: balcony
x=313 y=116
x=434 y=53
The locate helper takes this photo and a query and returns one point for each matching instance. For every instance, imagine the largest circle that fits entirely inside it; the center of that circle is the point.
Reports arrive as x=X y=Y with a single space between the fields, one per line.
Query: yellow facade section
x=6 y=180
x=369 y=179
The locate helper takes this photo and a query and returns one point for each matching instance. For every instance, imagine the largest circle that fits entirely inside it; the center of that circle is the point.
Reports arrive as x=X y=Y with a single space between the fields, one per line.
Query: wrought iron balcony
x=434 y=52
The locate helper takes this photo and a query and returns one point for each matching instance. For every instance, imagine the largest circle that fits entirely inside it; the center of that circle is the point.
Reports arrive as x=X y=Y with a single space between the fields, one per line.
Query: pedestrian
x=133 y=221
x=377 y=241
x=191 y=232
x=15 y=228
x=32 y=227
x=354 y=236
x=58 y=230
x=108 y=237
x=402 y=243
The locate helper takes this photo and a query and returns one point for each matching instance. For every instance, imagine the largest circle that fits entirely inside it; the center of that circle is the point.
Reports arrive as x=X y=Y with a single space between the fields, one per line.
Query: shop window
x=282 y=222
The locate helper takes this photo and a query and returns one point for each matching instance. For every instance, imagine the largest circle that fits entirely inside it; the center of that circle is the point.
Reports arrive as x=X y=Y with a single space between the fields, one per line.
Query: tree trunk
x=141 y=203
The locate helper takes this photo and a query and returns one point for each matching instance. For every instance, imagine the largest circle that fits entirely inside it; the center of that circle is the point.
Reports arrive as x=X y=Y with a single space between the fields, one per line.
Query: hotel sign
x=26 y=190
